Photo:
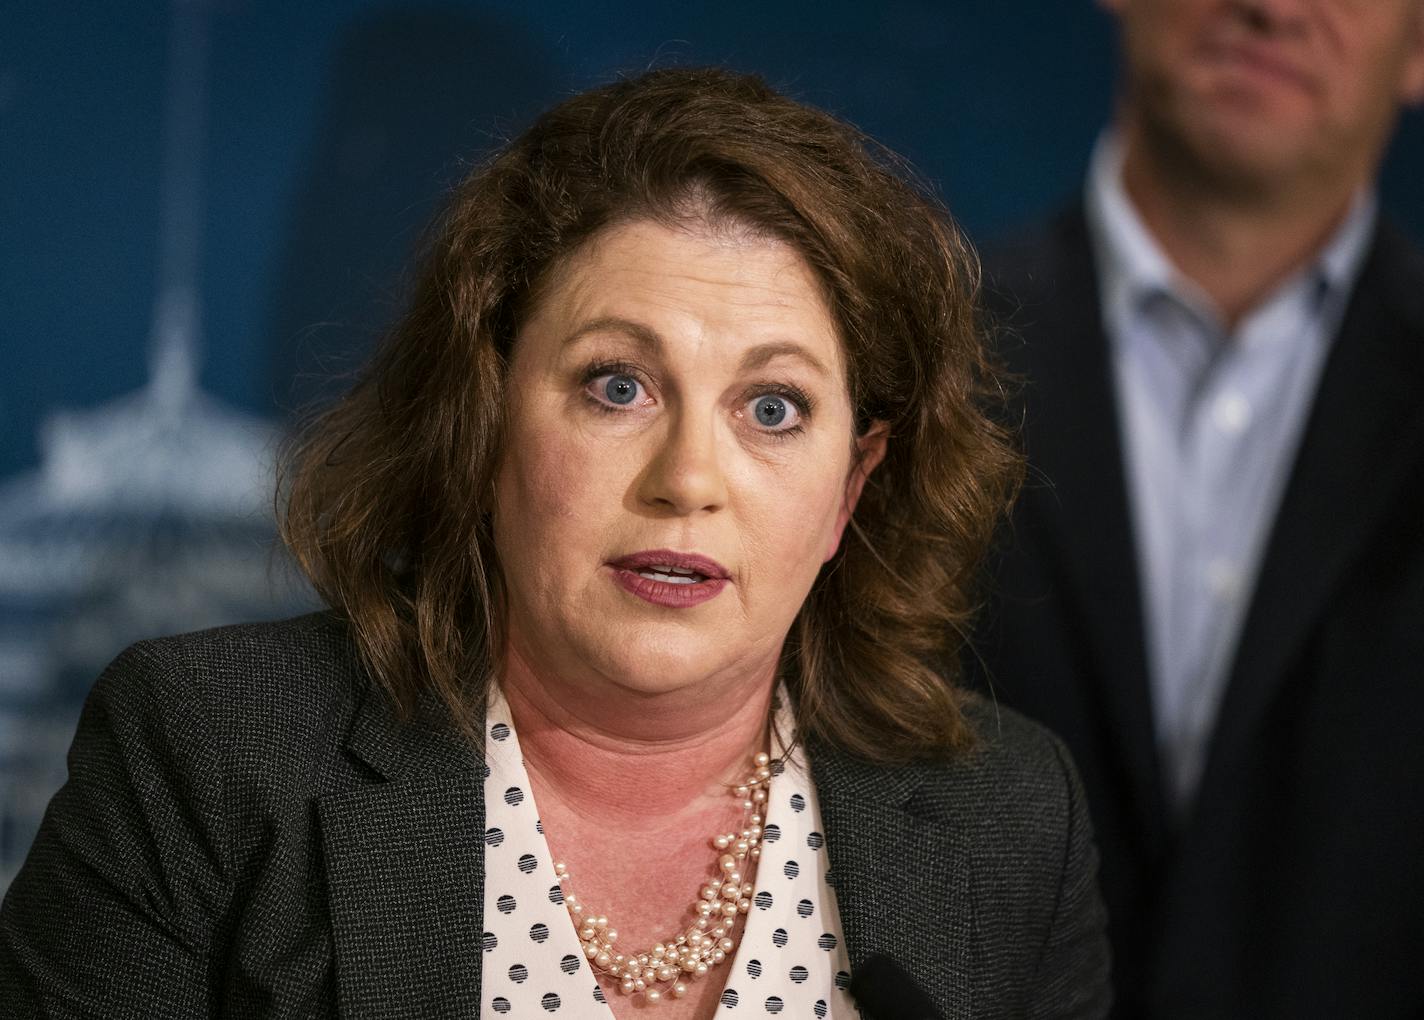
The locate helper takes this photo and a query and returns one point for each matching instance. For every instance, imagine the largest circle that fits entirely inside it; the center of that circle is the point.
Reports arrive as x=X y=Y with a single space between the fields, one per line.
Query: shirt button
x=1223 y=579
x=1231 y=412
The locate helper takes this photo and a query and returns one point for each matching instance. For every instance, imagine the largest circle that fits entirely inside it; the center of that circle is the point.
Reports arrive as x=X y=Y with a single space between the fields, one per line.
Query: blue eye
x=775 y=412
x=770 y=411
x=620 y=389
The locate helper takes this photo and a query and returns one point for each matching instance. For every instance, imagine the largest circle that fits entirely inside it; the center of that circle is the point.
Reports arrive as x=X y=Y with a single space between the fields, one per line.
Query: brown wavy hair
x=386 y=496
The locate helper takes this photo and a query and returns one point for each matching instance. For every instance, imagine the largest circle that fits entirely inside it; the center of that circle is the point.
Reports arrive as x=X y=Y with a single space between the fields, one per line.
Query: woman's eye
x=617 y=389
x=774 y=412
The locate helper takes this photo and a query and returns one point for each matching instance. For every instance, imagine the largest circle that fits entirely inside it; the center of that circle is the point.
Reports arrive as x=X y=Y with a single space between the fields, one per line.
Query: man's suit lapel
x=1077 y=495
x=1364 y=437
x=404 y=868
x=902 y=882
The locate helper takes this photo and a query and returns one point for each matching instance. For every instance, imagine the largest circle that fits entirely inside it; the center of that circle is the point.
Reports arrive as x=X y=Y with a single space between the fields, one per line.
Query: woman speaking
x=646 y=536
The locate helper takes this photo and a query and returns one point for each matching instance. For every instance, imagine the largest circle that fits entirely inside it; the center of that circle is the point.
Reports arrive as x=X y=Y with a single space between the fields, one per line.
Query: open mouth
x=669 y=577
x=669 y=574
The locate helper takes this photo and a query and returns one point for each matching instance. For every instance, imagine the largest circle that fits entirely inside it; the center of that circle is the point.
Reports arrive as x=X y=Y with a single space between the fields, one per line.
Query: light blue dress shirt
x=1211 y=419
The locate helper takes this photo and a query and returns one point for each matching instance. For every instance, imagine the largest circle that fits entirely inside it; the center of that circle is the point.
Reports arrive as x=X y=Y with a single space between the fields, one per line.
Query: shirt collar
x=1133 y=267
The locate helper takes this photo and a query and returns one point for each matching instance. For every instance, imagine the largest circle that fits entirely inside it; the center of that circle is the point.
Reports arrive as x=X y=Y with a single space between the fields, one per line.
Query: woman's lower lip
x=662 y=593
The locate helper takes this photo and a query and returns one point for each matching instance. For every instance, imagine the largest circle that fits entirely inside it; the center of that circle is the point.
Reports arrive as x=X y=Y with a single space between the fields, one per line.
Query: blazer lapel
x=404 y=868
x=1077 y=497
x=897 y=877
x=1364 y=437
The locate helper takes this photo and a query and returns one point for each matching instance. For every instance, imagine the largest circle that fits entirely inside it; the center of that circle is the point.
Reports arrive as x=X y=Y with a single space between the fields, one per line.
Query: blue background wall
x=331 y=130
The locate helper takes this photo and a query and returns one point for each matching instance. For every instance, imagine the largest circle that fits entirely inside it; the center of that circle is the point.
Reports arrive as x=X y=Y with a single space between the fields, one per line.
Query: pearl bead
x=701 y=970
x=653 y=995
x=728 y=862
x=725 y=945
x=639 y=984
x=689 y=964
x=666 y=973
x=718 y=956
x=610 y=936
x=721 y=842
x=679 y=990
x=603 y=960
x=650 y=975
x=626 y=986
x=762 y=759
x=729 y=909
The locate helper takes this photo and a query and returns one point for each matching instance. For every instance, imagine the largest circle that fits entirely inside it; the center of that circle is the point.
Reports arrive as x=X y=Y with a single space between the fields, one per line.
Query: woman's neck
x=635 y=758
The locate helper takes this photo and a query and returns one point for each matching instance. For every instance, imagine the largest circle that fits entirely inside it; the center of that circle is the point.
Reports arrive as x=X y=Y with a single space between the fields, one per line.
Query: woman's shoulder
x=1015 y=781
x=260 y=692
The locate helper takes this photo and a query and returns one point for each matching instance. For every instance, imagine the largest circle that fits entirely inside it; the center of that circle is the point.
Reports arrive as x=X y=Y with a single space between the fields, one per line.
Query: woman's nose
x=685 y=474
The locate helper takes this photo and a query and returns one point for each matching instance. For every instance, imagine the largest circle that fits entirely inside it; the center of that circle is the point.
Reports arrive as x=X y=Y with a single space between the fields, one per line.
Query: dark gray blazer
x=247 y=830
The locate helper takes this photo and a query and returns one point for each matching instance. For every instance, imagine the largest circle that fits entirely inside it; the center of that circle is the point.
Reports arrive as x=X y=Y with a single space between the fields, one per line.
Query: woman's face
x=679 y=460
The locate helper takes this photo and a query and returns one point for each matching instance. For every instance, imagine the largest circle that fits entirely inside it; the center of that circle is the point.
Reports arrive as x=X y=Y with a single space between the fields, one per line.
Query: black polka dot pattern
x=790 y=960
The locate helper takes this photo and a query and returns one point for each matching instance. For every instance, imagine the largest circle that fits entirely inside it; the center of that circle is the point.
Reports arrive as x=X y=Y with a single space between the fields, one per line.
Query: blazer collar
x=898 y=874
x=405 y=883
x=404 y=866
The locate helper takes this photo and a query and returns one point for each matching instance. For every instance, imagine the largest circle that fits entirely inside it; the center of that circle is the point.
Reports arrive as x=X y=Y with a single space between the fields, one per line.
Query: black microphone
x=886 y=991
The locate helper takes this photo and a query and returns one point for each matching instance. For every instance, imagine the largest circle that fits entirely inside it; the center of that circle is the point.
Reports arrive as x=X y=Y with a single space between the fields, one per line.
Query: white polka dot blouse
x=790 y=962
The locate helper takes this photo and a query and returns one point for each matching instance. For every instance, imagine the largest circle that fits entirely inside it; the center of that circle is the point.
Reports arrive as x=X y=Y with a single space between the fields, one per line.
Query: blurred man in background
x=1215 y=588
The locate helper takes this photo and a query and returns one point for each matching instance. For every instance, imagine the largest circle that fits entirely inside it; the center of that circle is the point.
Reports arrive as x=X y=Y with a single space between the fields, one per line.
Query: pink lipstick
x=669 y=578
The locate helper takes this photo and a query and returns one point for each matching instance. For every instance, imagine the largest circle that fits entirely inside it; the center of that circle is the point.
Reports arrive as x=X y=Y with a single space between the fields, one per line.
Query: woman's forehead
x=689 y=284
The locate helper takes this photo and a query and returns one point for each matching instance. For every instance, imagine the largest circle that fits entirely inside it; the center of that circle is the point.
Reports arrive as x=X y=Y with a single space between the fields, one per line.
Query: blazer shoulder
x=283 y=691
x=1015 y=790
x=1027 y=264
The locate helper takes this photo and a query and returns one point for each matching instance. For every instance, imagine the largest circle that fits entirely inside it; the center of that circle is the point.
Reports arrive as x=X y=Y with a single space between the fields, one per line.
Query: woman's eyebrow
x=648 y=338
x=762 y=354
x=645 y=336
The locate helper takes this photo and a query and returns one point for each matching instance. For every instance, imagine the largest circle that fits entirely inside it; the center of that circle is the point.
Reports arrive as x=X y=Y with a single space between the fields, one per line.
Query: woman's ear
x=869 y=452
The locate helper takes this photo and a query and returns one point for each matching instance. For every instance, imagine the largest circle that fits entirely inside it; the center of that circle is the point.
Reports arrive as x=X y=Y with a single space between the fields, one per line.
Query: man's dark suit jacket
x=1295 y=888
x=248 y=831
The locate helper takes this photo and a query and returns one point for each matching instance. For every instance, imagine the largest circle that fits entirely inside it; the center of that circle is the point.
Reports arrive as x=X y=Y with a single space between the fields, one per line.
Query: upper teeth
x=667 y=572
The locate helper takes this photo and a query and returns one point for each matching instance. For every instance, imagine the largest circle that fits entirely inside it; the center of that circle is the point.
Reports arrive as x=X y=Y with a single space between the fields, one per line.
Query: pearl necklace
x=666 y=968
